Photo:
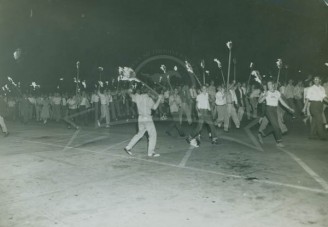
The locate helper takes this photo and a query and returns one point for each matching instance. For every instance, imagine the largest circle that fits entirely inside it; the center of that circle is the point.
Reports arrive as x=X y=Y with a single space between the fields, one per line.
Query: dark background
x=116 y=33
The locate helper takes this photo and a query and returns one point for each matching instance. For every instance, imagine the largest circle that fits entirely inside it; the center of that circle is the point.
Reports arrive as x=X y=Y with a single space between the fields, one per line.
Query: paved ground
x=52 y=176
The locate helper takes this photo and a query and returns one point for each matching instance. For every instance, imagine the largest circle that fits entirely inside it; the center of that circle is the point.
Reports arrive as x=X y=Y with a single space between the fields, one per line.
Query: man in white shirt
x=272 y=98
x=175 y=105
x=145 y=105
x=103 y=108
x=204 y=116
x=56 y=100
x=95 y=105
x=315 y=96
x=221 y=106
x=231 y=110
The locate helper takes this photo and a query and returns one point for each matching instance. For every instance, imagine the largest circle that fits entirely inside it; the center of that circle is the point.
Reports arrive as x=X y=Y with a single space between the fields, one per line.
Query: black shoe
x=182 y=134
x=168 y=133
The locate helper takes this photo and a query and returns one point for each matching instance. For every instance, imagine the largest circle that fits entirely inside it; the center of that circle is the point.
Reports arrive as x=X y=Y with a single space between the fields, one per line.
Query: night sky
x=54 y=34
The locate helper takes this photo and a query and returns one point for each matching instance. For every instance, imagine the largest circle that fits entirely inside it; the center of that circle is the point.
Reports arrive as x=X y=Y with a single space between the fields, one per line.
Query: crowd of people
x=219 y=106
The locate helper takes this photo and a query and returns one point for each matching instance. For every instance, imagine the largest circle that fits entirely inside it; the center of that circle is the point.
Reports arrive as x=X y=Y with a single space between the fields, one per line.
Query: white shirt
x=203 y=102
x=175 y=103
x=233 y=96
x=56 y=100
x=289 y=91
x=32 y=100
x=316 y=93
x=11 y=103
x=64 y=102
x=103 y=99
x=220 y=98
x=72 y=104
x=94 y=98
x=298 y=92
x=144 y=104
x=84 y=101
x=272 y=98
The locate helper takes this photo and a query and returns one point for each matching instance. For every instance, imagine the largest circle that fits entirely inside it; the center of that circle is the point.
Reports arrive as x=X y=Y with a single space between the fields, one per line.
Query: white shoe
x=128 y=151
x=154 y=155
x=280 y=145
x=98 y=122
x=194 y=143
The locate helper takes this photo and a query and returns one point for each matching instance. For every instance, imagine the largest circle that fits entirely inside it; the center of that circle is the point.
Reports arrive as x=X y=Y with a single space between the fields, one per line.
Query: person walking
x=315 y=97
x=145 y=105
x=272 y=98
x=3 y=107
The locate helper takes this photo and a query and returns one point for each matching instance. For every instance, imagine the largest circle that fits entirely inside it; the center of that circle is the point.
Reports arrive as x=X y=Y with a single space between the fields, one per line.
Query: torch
x=229 y=45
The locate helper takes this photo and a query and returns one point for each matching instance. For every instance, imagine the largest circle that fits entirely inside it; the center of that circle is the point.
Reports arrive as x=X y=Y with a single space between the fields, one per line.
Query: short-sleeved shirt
x=316 y=93
x=220 y=98
x=203 y=102
x=272 y=98
x=175 y=103
x=144 y=104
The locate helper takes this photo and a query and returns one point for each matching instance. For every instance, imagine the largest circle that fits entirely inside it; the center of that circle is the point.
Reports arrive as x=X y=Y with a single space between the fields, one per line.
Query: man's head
x=271 y=86
x=204 y=89
x=317 y=80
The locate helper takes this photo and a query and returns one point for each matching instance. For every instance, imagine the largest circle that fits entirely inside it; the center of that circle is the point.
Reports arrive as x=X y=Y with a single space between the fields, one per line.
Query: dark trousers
x=204 y=116
x=83 y=116
x=272 y=115
x=316 y=109
x=175 y=123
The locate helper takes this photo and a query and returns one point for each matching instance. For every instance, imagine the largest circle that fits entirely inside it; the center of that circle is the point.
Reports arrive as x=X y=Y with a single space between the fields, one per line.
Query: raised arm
x=285 y=105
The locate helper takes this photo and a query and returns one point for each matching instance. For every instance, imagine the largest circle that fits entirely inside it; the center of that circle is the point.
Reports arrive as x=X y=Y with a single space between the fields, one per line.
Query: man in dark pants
x=315 y=96
x=204 y=116
x=272 y=98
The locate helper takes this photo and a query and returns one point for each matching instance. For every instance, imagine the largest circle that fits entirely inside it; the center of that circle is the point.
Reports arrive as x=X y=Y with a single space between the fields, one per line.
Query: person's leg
x=3 y=125
x=188 y=114
x=96 y=106
x=234 y=116
x=281 y=123
x=272 y=116
x=313 y=130
x=227 y=118
x=241 y=112
x=264 y=124
x=248 y=108
x=107 y=115
x=208 y=120
x=200 y=123
x=152 y=137
x=139 y=135
x=254 y=106
x=317 y=112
